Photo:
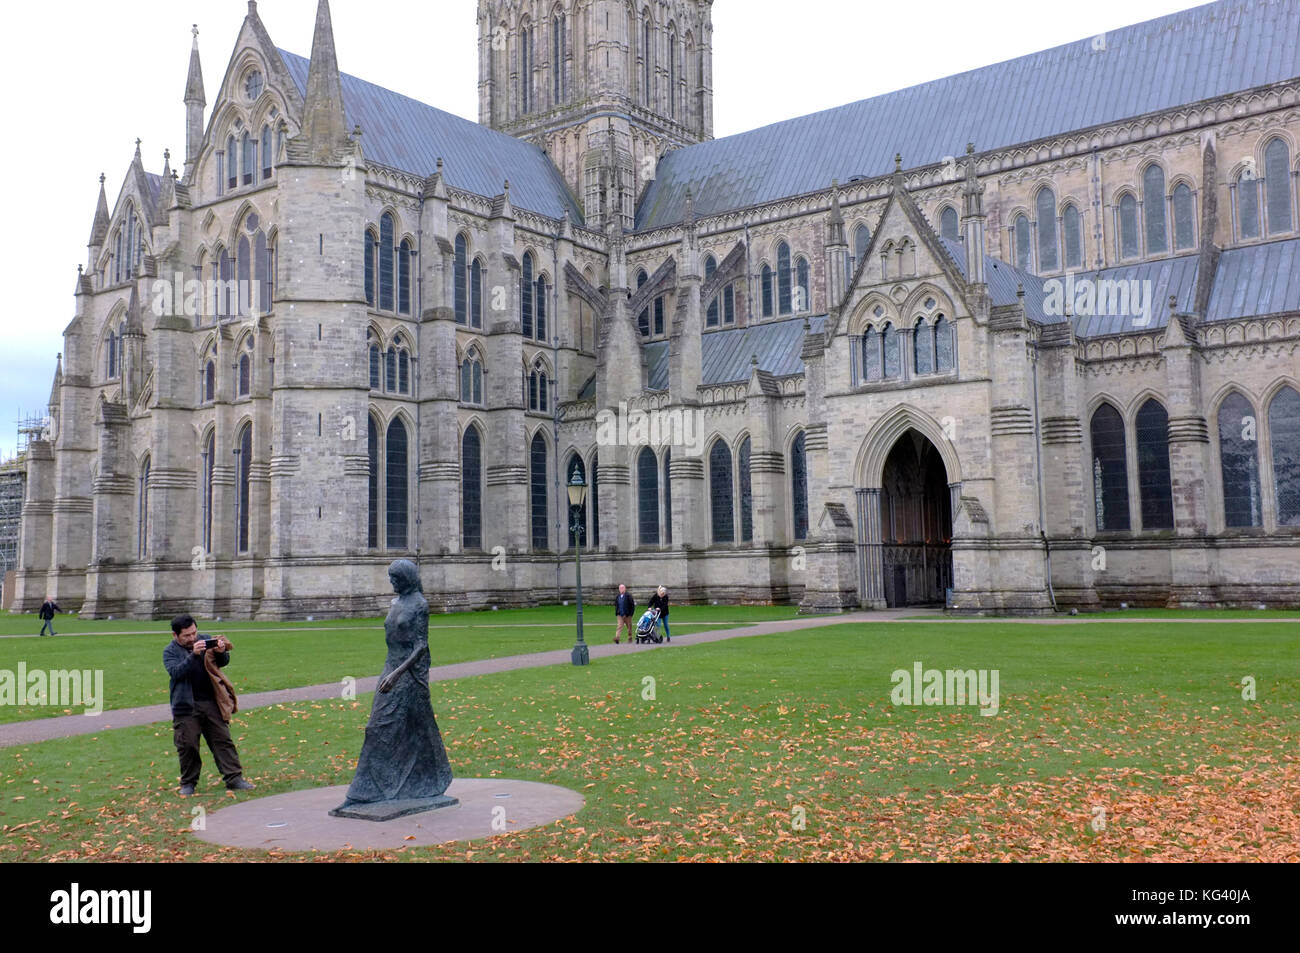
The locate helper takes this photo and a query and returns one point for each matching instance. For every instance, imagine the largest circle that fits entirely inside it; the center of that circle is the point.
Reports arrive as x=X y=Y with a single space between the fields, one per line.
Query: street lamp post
x=577 y=496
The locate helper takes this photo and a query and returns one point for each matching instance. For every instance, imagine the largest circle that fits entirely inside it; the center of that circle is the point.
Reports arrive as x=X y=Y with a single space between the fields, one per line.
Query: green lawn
x=746 y=737
x=270 y=656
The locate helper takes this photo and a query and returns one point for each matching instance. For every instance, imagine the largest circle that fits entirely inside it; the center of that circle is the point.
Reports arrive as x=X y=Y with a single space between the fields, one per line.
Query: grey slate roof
x=725 y=355
x=1256 y=280
x=155 y=190
x=405 y=134
x=1182 y=58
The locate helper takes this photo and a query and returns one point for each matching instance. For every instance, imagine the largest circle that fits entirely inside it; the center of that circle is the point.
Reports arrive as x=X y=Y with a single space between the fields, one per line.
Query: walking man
x=48 y=609
x=624 y=607
x=195 y=708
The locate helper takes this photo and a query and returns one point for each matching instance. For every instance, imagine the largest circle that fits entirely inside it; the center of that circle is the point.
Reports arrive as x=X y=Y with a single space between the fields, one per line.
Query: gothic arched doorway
x=915 y=548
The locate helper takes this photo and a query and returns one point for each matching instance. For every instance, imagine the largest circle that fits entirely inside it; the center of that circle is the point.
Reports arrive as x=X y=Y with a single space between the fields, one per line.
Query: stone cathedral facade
x=1020 y=338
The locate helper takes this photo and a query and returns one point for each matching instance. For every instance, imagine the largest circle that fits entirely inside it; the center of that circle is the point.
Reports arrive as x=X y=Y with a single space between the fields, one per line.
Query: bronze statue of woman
x=403 y=768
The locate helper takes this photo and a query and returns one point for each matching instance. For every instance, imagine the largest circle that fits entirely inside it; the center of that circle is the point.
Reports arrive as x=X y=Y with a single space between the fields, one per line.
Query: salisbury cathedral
x=1019 y=339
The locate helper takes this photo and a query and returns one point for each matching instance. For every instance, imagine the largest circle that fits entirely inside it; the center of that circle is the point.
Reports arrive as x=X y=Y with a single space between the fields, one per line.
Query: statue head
x=405 y=577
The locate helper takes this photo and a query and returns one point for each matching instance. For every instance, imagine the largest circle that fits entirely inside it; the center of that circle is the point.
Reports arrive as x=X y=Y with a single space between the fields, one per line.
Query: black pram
x=647 y=629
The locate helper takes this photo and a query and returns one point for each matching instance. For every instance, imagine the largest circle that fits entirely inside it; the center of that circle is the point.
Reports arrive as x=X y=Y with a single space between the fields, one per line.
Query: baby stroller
x=647 y=629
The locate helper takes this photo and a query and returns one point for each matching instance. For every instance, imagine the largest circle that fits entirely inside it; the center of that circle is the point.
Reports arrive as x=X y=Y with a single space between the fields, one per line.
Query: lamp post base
x=581 y=654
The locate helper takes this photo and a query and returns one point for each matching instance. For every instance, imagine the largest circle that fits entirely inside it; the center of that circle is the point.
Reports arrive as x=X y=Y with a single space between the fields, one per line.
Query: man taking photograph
x=195 y=708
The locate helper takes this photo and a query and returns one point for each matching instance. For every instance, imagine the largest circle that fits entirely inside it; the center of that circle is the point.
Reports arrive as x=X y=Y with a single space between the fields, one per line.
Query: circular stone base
x=301 y=821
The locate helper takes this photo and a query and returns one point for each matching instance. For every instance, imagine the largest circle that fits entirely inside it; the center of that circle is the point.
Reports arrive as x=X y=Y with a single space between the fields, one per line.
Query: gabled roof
x=1183 y=58
x=406 y=134
x=725 y=355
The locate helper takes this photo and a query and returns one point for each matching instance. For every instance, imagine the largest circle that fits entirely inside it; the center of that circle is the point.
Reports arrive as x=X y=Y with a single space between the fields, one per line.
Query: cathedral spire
x=324 y=129
x=99 y=231
x=167 y=195
x=195 y=100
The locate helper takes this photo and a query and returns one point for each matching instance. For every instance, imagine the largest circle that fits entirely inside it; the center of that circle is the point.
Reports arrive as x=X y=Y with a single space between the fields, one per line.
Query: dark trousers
x=206 y=721
x=47 y=623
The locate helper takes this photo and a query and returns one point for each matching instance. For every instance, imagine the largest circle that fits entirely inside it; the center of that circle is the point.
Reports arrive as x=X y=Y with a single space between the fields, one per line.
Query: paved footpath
x=66 y=726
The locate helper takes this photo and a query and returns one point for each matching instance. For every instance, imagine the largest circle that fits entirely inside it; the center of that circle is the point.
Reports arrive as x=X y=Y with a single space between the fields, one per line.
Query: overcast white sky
x=85 y=79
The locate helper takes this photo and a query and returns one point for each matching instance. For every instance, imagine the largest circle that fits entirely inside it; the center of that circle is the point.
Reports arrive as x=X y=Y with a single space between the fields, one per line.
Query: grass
x=271 y=656
x=1146 y=723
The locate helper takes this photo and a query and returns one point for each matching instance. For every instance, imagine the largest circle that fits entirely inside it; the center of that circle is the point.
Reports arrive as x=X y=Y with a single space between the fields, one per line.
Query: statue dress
x=403 y=758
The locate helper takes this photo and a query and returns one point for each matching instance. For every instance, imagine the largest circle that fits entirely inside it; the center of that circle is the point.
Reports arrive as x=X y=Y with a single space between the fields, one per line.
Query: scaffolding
x=13 y=488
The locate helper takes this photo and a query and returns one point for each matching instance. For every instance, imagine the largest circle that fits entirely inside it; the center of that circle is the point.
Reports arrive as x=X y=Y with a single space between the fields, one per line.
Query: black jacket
x=182 y=665
x=661 y=603
x=48 y=609
x=624 y=604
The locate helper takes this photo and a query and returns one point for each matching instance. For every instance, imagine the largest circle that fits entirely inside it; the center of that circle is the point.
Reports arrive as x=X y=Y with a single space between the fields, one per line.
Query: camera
x=209 y=644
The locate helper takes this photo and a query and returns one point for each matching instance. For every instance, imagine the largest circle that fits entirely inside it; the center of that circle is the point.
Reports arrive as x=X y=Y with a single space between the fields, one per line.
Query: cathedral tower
x=605 y=87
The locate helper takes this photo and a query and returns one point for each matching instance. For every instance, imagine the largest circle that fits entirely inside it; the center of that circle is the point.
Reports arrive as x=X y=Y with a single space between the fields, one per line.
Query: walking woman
x=660 y=601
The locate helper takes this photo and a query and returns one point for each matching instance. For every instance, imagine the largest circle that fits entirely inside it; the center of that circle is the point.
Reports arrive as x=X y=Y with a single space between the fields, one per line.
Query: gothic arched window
x=945 y=347
x=538 y=498
x=948 y=227
x=387 y=233
x=1248 y=203
x=1128 y=226
x=245 y=383
x=1284 y=433
x=745 y=455
x=471 y=378
x=207 y=464
x=249 y=145
x=390 y=369
x=396 y=484
x=1020 y=228
x=643 y=319
x=1155 y=488
x=1277 y=186
x=526 y=299
x=647 y=60
x=538 y=389
x=404 y=255
x=784 y=278
x=647 y=481
x=1153 y=207
x=476 y=294
x=923 y=347
x=1072 y=227
x=559 y=46
x=543 y=295
x=1184 y=217
x=372 y=343
x=460 y=278
x=142 y=517
x=268 y=157
x=1239 y=463
x=802 y=288
x=861 y=240
x=471 y=490
x=871 y=364
x=526 y=68
x=1109 y=470
x=372 y=473
x=766 y=283
x=672 y=75
x=1048 y=250
x=721 y=493
x=594 y=496
x=232 y=163
x=403 y=367
x=893 y=352
x=799 y=485
x=711 y=314
x=668 y=497
x=209 y=381
x=372 y=245
x=243 y=497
